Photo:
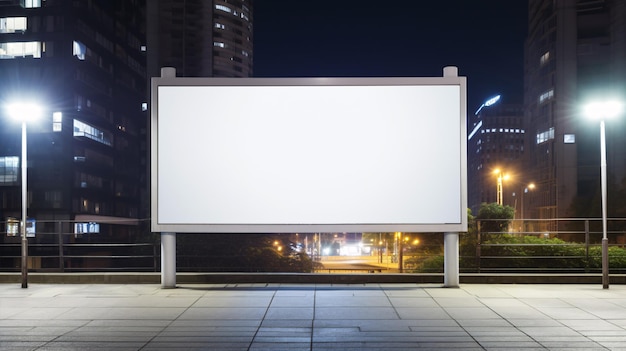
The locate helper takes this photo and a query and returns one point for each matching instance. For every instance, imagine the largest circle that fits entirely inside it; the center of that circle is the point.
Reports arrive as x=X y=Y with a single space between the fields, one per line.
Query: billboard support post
x=168 y=260
x=451 y=260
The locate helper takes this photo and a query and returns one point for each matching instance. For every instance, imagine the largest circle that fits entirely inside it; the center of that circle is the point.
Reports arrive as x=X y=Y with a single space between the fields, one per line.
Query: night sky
x=366 y=38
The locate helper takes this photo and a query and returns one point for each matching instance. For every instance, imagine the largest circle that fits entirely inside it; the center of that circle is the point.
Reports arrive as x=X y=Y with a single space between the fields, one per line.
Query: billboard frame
x=158 y=225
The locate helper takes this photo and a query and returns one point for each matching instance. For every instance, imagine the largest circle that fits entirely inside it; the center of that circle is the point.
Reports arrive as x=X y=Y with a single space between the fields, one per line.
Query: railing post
x=478 y=248
x=586 y=246
x=59 y=228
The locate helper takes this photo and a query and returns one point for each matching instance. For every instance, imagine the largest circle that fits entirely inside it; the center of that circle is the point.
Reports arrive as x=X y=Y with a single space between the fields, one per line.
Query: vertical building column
x=451 y=260
x=168 y=260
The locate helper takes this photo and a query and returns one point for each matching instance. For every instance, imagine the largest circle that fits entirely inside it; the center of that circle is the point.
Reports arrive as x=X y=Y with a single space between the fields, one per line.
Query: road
x=358 y=264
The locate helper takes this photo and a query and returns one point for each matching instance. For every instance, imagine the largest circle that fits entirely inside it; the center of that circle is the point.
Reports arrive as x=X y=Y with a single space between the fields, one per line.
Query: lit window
x=545 y=136
x=219 y=44
x=546 y=96
x=79 y=49
x=82 y=129
x=544 y=58
x=12 y=24
x=245 y=53
x=9 y=168
x=224 y=8
x=569 y=139
x=220 y=26
x=29 y=4
x=57 y=121
x=20 y=49
x=144 y=106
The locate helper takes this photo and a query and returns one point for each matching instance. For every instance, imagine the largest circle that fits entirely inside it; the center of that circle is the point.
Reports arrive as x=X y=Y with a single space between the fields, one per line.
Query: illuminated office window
x=20 y=49
x=12 y=24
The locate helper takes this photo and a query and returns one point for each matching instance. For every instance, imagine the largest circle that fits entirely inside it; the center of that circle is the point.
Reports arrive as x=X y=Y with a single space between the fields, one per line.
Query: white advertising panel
x=308 y=154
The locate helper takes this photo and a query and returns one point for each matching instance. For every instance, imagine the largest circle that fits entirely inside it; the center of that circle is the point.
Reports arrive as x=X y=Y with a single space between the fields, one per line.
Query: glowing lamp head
x=603 y=109
x=24 y=111
x=492 y=100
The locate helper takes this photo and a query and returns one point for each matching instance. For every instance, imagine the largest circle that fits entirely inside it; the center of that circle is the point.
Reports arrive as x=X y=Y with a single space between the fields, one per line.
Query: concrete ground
x=312 y=317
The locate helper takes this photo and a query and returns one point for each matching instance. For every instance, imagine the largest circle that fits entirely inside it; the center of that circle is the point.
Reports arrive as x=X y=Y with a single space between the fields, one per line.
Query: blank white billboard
x=308 y=154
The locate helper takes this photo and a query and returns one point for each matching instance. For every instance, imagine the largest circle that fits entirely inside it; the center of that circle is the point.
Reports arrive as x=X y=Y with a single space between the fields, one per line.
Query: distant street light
x=499 y=192
x=24 y=112
x=488 y=103
x=527 y=188
x=603 y=110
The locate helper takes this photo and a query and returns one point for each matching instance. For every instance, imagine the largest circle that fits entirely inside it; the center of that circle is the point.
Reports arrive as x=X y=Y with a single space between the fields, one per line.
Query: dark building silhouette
x=495 y=142
x=83 y=62
x=575 y=52
x=88 y=64
x=200 y=38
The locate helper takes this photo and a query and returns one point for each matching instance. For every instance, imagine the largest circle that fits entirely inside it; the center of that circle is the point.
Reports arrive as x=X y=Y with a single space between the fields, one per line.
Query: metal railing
x=529 y=246
x=571 y=245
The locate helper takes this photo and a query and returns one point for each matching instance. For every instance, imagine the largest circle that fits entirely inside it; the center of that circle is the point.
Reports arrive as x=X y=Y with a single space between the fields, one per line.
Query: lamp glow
x=602 y=110
x=24 y=112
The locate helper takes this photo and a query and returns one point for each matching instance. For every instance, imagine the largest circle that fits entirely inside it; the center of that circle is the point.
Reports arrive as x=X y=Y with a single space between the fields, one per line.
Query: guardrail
x=561 y=246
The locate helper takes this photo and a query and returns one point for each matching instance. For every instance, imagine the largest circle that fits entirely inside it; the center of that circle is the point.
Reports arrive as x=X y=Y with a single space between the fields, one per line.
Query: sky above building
x=367 y=38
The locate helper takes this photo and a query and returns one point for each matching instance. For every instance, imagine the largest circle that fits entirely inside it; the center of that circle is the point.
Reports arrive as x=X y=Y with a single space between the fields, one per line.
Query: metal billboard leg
x=451 y=260
x=168 y=260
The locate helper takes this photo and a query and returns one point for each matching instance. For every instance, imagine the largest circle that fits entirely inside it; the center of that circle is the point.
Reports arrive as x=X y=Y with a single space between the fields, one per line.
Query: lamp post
x=602 y=110
x=499 y=193
x=24 y=112
x=526 y=189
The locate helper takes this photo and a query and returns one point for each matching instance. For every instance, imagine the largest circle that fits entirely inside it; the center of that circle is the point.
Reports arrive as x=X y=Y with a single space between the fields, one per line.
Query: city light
x=602 y=110
x=24 y=112
x=499 y=190
x=488 y=103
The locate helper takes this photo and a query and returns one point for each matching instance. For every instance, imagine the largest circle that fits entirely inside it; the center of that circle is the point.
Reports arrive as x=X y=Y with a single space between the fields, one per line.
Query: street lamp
x=602 y=110
x=500 y=178
x=526 y=189
x=24 y=112
x=488 y=103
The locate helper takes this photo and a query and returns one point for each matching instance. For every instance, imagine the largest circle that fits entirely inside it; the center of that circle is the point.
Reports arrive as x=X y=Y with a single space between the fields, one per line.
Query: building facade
x=88 y=64
x=83 y=62
x=495 y=143
x=200 y=38
x=575 y=53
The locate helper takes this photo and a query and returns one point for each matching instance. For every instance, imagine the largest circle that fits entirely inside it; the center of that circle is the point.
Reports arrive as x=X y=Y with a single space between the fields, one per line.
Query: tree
x=494 y=217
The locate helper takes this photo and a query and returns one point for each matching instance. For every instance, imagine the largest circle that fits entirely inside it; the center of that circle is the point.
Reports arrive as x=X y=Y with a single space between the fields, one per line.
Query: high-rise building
x=200 y=38
x=83 y=62
x=88 y=64
x=575 y=52
x=495 y=143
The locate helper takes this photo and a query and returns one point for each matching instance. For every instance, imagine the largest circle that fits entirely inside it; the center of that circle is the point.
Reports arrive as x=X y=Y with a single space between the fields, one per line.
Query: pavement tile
x=312 y=317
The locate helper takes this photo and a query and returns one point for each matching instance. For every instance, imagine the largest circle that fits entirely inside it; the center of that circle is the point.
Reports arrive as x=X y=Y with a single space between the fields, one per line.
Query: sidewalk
x=312 y=317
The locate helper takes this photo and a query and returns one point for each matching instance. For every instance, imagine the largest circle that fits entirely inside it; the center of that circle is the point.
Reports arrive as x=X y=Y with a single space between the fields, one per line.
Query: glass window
x=20 y=49
x=29 y=4
x=57 y=121
x=9 y=170
x=224 y=8
x=82 y=129
x=545 y=136
x=12 y=24
x=544 y=58
x=79 y=49
x=546 y=96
